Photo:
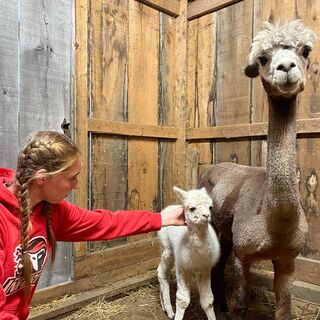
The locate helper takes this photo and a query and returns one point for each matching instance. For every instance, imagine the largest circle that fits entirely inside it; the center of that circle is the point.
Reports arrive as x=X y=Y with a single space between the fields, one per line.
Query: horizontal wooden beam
x=307 y=294
x=306 y=270
x=227 y=132
x=260 y=129
x=200 y=8
x=171 y=7
x=132 y=129
x=112 y=259
x=304 y=126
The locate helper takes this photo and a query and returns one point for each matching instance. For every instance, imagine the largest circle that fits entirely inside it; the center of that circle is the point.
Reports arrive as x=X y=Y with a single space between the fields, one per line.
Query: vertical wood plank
x=273 y=10
x=9 y=83
x=81 y=107
x=233 y=95
x=45 y=51
x=167 y=107
x=46 y=37
x=143 y=91
x=206 y=81
x=192 y=149
x=309 y=147
x=201 y=84
x=109 y=102
x=180 y=95
x=193 y=27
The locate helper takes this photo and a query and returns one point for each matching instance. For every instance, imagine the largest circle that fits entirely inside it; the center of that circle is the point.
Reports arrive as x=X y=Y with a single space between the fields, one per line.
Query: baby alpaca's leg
x=183 y=293
x=206 y=297
x=164 y=269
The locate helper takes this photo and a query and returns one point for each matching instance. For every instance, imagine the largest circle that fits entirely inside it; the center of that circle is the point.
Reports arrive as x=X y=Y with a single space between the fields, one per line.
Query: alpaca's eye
x=263 y=60
x=211 y=208
x=306 y=51
x=192 y=209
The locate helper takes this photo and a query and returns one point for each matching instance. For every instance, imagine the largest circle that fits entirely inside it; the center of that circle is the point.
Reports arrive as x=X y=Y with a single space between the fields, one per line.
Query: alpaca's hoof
x=170 y=314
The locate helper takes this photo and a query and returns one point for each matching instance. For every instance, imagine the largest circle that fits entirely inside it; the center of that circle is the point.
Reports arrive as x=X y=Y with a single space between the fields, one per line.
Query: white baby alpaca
x=194 y=249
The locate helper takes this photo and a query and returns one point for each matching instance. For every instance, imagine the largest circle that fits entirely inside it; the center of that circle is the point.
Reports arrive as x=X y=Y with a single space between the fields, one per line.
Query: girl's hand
x=174 y=217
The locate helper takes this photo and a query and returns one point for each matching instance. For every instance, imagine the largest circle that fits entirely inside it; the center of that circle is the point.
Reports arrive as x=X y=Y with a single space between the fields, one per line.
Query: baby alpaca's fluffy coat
x=194 y=249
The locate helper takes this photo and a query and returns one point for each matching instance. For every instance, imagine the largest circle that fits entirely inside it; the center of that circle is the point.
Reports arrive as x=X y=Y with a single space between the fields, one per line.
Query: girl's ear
x=40 y=176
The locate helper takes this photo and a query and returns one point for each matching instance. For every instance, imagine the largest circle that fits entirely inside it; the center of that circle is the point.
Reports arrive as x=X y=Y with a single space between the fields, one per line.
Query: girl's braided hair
x=54 y=152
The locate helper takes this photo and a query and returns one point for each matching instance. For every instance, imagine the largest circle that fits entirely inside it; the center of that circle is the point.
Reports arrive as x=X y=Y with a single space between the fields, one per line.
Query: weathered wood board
x=9 y=94
x=109 y=64
x=167 y=107
x=233 y=95
x=201 y=90
x=36 y=84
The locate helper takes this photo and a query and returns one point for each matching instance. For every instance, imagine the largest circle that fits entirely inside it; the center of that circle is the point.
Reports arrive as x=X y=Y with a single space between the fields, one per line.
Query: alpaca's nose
x=206 y=215
x=285 y=66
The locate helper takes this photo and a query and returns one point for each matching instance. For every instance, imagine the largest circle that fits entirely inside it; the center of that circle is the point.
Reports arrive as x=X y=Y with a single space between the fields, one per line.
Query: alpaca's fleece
x=291 y=34
x=194 y=249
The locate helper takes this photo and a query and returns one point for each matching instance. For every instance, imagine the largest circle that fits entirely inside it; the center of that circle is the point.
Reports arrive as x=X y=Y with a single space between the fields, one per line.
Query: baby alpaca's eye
x=210 y=208
x=263 y=60
x=192 y=209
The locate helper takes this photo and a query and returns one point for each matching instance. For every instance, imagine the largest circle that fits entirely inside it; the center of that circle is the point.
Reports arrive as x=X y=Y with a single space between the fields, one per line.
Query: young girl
x=33 y=216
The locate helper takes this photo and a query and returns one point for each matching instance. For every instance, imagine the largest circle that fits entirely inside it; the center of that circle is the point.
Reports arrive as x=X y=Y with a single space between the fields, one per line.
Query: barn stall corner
x=153 y=92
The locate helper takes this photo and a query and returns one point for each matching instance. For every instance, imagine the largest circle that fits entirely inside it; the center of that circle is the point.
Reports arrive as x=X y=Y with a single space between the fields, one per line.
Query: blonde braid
x=50 y=233
x=53 y=152
x=22 y=183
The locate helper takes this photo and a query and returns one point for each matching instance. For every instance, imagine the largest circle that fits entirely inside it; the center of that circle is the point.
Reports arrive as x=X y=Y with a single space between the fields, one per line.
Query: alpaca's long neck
x=282 y=186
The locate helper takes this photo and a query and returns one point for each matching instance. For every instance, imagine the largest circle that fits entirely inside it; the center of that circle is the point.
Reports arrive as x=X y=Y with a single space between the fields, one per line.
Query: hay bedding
x=143 y=303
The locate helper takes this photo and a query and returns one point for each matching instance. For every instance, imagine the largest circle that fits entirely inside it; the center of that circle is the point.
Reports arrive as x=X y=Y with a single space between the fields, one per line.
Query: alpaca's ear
x=252 y=70
x=179 y=192
x=203 y=189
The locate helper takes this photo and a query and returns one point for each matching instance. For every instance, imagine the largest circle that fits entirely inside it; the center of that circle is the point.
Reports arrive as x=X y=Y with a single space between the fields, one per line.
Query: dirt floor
x=143 y=303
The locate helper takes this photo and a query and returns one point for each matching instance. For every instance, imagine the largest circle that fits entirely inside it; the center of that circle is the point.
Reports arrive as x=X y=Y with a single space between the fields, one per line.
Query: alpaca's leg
x=282 y=275
x=242 y=287
x=217 y=278
x=164 y=269
x=183 y=293
x=205 y=292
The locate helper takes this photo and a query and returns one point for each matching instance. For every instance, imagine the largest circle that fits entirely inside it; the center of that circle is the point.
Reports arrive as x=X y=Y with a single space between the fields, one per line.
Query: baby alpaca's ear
x=204 y=190
x=179 y=192
x=252 y=70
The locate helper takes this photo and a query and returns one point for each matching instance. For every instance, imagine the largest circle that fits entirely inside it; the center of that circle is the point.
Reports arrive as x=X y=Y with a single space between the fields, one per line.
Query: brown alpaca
x=258 y=210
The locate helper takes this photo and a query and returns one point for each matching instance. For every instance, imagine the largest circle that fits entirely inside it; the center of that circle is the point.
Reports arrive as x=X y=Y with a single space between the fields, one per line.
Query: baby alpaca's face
x=198 y=210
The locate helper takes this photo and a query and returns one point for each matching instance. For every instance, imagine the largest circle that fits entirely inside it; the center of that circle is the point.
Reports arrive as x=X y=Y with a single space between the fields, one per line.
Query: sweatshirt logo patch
x=37 y=249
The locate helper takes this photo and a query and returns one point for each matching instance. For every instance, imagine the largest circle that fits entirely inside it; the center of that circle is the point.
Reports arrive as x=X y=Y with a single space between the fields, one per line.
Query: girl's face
x=58 y=187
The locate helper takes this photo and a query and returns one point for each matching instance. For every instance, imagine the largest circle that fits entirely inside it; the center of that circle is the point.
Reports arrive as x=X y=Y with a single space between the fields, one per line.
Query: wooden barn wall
x=36 y=54
x=219 y=94
x=130 y=107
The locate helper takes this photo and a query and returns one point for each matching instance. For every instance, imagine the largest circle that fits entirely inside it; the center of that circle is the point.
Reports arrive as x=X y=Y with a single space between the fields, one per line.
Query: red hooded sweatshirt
x=69 y=223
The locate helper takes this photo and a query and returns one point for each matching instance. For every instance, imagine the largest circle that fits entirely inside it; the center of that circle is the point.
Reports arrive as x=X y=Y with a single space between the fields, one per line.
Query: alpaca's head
x=197 y=205
x=280 y=54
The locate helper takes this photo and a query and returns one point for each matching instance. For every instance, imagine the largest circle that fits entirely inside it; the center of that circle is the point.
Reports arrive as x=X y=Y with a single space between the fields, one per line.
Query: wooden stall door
x=130 y=118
